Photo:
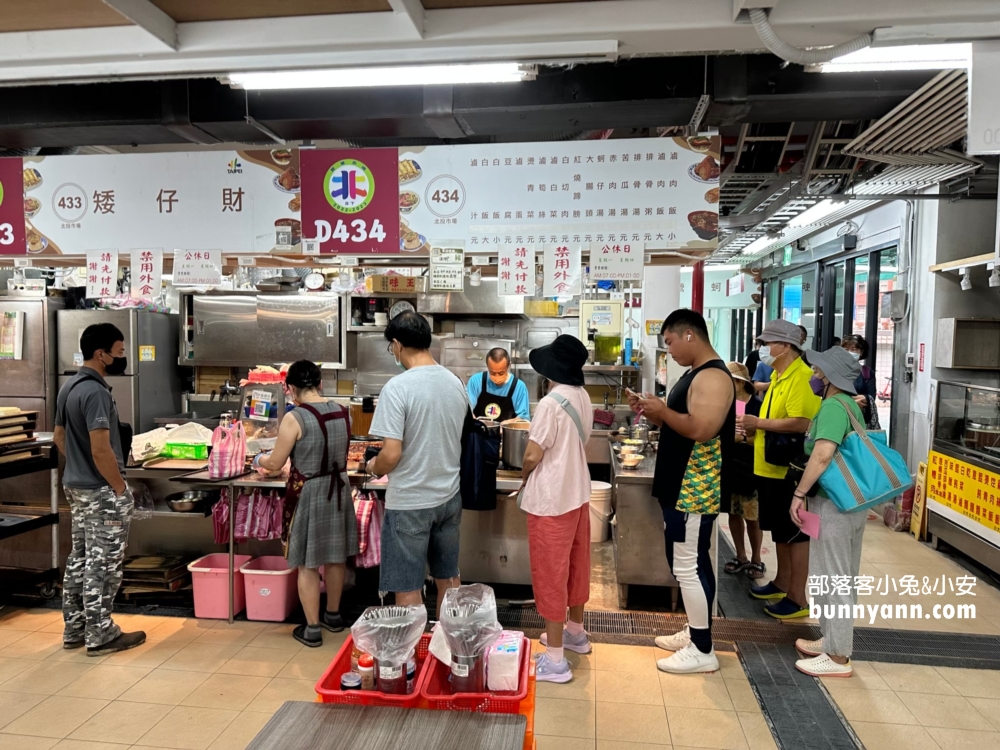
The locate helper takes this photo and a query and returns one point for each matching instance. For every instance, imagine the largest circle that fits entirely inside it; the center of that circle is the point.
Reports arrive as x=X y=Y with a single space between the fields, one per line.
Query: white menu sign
x=147 y=273
x=515 y=271
x=619 y=261
x=102 y=273
x=563 y=269
x=660 y=191
x=447 y=267
x=202 y=267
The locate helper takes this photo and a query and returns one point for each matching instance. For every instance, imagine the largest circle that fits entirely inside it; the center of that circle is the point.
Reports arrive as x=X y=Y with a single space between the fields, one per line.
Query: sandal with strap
x=735 y=566
x=755 y=571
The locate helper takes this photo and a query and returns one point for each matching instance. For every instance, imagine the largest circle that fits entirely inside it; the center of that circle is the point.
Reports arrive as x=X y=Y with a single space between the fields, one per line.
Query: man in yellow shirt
x=778 y=437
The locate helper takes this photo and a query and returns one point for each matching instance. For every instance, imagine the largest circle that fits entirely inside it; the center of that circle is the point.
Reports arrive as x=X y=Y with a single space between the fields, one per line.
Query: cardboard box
x=393 y=283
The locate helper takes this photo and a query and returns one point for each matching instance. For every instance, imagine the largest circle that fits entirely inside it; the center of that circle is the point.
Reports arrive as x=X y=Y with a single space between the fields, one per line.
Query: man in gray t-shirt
x=420 y=415
x=87 y=434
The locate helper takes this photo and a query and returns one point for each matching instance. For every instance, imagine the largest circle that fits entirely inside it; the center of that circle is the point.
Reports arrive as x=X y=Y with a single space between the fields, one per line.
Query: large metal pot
x=515 y=443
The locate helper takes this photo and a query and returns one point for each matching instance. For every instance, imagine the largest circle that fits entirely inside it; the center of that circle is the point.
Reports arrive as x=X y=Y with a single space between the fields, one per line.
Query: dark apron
x=297 y=480
x=497 y=408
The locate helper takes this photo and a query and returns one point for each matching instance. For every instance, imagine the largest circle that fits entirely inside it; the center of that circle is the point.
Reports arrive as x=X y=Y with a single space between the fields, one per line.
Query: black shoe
x=332 y=621
x=70 y=645
x=123 y=642
x=302 y=637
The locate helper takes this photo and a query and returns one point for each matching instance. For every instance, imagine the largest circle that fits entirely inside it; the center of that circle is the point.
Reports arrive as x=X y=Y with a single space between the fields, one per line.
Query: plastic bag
x=241 y=524
x=143 y=509
x=191 y=432
x=390 y=634
x=148 y=444
x=220 y=518
x=469 y=619
x=229 y=451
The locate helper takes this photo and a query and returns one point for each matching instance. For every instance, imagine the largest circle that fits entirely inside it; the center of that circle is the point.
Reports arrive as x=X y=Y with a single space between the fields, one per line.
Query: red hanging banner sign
x=350 y=200
x=12 y=208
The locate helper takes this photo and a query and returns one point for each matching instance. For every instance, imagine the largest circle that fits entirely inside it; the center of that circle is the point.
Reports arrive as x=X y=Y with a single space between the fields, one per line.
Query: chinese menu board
x=663 y=192
x=239 y=201
x=965 y=494
x=11 y=202
x=350 y=200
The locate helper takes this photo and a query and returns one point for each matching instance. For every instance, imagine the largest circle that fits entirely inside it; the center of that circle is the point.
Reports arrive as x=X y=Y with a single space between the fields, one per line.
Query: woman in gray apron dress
x=320 y=528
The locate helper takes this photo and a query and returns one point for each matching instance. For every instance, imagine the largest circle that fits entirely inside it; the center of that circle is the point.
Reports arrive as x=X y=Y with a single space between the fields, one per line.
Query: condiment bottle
x=350 y=681
x=411 y=676
x=356 y=654
x=366 y=668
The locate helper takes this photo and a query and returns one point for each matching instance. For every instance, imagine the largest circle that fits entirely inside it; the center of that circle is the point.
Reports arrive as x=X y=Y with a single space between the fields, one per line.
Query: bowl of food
x=408 y=201
x=627 y=450
x=282 y=156
x=631 y=461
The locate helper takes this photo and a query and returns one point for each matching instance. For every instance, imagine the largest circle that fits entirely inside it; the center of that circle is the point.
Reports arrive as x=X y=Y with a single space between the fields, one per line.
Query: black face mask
x=117 y=367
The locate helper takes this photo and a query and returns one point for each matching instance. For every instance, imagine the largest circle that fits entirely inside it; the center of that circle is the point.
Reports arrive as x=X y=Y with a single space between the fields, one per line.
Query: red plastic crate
x=434 y=688
x=328 y=687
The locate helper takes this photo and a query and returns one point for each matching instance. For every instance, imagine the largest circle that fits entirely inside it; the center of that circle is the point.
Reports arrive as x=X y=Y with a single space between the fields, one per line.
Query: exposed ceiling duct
x=779 y=47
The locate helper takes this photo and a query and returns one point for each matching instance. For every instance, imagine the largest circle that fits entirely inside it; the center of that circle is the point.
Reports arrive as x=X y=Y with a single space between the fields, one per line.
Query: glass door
x=798 y=302
x=883 y=338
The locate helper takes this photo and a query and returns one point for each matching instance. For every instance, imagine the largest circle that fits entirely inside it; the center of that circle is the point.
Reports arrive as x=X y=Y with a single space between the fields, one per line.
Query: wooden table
x=319 y=726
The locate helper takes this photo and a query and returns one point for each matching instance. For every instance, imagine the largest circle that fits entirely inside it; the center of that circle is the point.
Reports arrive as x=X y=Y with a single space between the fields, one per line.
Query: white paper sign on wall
x=197 y=267
x=563 y=269
x=515 y=271
x=102 y=273
x=984 y=105
x=147 y=273
x=617 y=261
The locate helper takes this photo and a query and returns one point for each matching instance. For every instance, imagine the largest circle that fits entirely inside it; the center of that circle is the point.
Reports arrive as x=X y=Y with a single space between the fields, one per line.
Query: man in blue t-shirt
x=498 y=394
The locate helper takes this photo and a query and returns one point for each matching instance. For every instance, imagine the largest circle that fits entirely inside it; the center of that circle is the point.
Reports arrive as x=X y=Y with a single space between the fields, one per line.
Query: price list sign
x=350 y=200
x=12 y=208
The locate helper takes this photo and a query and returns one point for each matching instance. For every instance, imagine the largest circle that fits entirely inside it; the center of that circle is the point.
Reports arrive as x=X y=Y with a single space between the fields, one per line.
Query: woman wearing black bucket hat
x=556 y=497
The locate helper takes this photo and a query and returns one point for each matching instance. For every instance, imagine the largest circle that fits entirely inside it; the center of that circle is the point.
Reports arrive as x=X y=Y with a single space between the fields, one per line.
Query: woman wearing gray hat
x=837 y=550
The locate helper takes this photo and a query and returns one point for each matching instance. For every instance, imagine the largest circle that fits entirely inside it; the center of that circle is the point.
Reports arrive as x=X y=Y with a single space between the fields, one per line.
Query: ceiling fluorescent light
x=815 y=214
x=908 y=57
x=410 y=75
x=759 y=244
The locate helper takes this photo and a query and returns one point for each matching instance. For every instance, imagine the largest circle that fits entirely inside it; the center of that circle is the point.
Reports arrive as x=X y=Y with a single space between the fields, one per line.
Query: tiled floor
x=890 y=706
x=198 y=685
x=897 y=554
x=194 y=685
x=619 y=701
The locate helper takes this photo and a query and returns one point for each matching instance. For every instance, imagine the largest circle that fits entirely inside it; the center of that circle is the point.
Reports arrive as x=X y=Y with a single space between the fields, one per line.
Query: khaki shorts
x=744 y=506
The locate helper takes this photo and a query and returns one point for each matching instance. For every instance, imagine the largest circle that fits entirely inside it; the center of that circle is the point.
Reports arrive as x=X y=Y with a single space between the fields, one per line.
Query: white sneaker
x=824 y=666
x=577 y=643
x=675 y=642
x=689 y=660
x=809 y=648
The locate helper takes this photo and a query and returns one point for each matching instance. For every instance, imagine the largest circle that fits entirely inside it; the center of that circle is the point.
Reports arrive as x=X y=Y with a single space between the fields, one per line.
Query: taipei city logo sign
x=349 y=186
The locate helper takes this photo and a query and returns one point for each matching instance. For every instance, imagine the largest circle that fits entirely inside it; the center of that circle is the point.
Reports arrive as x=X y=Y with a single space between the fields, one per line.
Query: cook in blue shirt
x=498 y=394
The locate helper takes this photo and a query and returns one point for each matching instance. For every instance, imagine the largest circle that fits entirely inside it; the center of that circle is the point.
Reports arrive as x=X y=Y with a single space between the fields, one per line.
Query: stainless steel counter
x=640 y=557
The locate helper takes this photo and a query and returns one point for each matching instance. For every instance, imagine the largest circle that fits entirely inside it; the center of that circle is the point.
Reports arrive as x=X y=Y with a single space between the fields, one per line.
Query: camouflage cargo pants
x=100 y=523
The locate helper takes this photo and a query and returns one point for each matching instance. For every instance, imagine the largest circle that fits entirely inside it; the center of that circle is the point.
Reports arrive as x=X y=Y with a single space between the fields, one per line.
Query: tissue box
x=503 y=662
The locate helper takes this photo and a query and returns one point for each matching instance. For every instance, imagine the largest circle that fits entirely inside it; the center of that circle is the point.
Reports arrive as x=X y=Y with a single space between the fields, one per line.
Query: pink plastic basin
x=271 y=588
x=210 y=579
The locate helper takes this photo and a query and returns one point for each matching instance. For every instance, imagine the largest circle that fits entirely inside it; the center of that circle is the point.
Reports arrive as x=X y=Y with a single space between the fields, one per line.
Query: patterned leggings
x=94 y=567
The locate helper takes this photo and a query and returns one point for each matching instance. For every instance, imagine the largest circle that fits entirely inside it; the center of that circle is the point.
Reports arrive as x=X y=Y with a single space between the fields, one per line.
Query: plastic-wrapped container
x=271 y=588
x=436 y=689
x=328 y=687
x=210 y=580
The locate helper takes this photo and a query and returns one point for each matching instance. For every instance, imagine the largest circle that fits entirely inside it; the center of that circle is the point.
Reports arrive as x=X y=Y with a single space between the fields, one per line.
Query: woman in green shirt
x=836 y=554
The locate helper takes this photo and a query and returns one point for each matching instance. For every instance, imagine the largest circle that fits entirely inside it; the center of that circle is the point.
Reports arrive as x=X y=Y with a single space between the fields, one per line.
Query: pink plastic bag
x=369 y=512
x=220 y=518
x=277 y=510
x=260 y=516
x=229 y=452
x=241 y=525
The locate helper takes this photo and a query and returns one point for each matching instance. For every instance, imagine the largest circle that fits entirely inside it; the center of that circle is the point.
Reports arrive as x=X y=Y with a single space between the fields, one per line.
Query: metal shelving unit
x=15 y=521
